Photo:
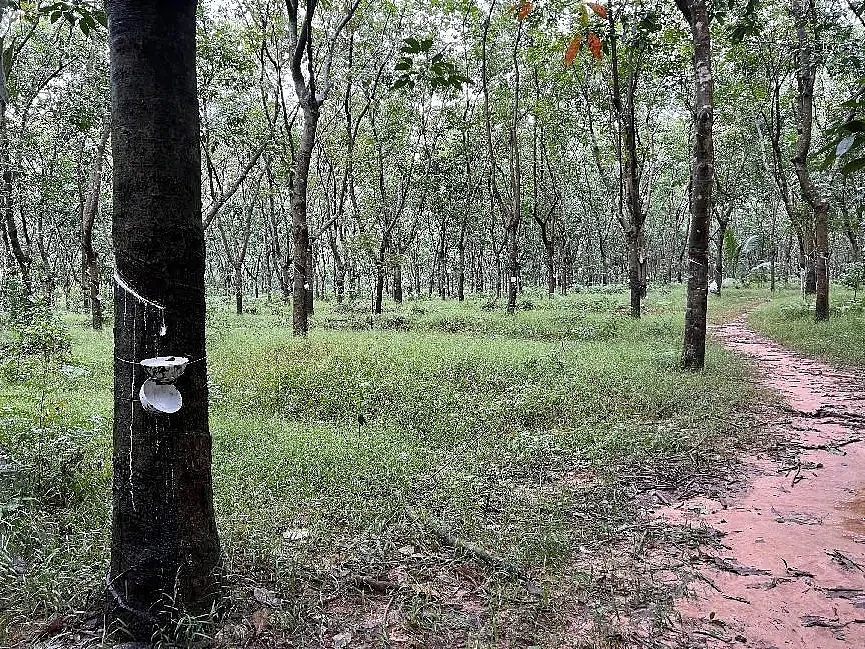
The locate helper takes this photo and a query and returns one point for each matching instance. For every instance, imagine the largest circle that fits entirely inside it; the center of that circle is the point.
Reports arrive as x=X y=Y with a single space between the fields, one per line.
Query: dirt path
x=792 y=572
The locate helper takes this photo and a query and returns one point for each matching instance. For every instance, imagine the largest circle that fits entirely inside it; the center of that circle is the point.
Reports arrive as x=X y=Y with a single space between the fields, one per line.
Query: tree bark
x=164 y=546
x=702 y=176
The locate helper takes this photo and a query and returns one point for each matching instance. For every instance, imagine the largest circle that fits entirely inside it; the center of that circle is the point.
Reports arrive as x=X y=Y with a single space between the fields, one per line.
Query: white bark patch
x=703 y=73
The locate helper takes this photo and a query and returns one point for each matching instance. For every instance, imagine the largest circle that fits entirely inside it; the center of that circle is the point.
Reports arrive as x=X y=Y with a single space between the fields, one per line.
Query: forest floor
x=507 y=488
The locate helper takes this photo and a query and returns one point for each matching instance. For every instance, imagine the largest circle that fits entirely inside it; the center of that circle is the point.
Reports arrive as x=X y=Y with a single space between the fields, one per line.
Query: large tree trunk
x=91 y=209
x=702 y=175
x=805 y=76
x=299 y=226
x=164 y=546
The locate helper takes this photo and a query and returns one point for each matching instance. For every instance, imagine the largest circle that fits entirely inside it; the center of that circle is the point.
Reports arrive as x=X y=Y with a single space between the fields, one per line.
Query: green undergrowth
x=516 y=432
x=789 y=319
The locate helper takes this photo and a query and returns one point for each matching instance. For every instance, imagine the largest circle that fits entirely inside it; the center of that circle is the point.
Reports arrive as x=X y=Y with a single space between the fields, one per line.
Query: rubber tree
x=806 y=73
x=702 y=177
x=164 y=546
x=510 y=206
x=312 y=91
x=629 y=170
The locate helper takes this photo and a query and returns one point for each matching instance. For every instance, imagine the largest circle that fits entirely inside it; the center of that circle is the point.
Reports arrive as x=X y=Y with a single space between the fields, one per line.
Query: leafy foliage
x=416 y=65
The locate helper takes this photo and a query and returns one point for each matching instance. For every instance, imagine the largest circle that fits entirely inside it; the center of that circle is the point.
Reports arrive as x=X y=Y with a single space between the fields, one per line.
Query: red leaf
x=601 y=10
x=573 y=48
x=523 y=9
x=594 y=44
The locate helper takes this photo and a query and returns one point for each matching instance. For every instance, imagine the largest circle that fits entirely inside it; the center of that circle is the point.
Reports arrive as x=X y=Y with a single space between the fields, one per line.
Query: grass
x=526 y=434
x=789 y=320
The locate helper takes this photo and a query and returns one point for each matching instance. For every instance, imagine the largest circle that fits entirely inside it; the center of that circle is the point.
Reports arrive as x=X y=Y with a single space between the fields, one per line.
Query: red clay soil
x=791 y=571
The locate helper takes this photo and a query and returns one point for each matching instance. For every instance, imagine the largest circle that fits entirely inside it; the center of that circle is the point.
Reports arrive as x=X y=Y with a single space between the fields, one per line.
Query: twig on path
x=830 y=445
x=818 y=620
x=798 y=476
x=795 y=572
x=844 y=560
x=466 y=546
x=737 y=568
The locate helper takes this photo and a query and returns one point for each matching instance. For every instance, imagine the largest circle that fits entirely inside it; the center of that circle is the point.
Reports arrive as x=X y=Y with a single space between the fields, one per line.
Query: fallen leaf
x=425 y=589
x=296 y=534
x=266 y=597
x=342 y=639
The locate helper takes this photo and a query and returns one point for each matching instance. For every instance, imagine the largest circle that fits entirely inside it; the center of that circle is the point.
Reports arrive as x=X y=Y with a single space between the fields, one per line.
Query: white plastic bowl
x=161 y=398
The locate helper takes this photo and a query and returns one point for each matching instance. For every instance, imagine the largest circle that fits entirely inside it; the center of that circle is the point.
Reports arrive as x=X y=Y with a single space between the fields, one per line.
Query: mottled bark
x=164 y=546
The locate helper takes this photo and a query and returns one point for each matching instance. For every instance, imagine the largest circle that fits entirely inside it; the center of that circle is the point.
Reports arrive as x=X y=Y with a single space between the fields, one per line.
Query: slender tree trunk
x=22 y=259
x=513 y=268
x=238 y=289
x=91 y=209
x=310 y=281
x=164 y=546
x=723 y=222
x=818 y=256
x=461 y=277
x=338 y=271
x=702 y=176
x=630 y=182
x=299 y=226
x=852 y=236
x=379 y=284
x=397 y=276
x=551 y=268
